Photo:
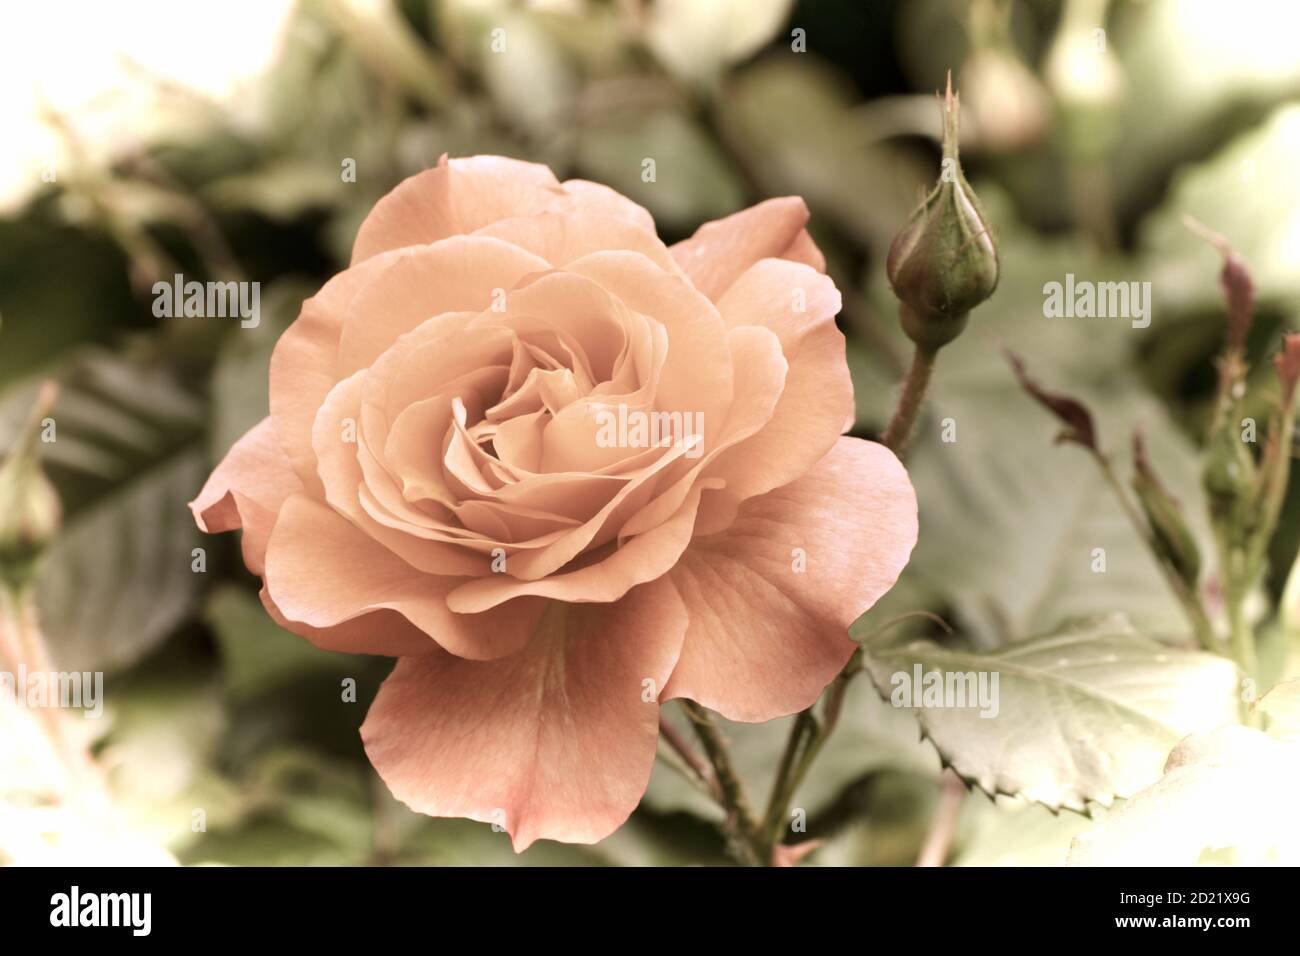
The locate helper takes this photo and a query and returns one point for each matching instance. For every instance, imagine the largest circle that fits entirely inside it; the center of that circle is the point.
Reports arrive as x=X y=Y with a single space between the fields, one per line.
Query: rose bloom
x=431 y=485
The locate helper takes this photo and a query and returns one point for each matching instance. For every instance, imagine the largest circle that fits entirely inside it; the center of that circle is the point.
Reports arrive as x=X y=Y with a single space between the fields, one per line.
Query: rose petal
x=693 y=378
x=818 y=393
x=343 y=475
x=453 y=198
x=641 y=558
x=560 y=238
x=764 y=638
x=322 y=571
x=381 y=633
x=247 y=490
x=580 y=195
x=554 y=742
x=720 y=251
x=304 y=360
x=463 y=273
x=649 y=541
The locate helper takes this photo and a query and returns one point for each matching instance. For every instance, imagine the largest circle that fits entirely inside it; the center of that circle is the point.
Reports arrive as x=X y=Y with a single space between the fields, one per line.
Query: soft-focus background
x=146 y=138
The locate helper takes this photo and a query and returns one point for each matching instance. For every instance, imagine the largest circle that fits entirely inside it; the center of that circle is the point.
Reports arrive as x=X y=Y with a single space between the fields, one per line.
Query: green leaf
x=241 y=378
x=696 y=41
x=1083 y=715
x=1007 y=832
x=118 y=579
x=1259 y=220
x=1281 y=708
x=1027 y=534
x=793 y=120
x=693 y=180
x=1226 y=797
x=280 y=189
x=126 y=456
x=113 y=417
x=441 y=842
x=529 y=80
x=269 y=841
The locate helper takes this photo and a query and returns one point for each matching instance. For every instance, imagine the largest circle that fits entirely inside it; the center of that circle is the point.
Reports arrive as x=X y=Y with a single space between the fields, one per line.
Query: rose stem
x=807 y=737
x=746 y=842
x=692 y=766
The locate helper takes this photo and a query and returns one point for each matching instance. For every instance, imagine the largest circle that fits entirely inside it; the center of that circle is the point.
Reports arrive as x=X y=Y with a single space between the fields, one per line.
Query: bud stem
x=910 y=401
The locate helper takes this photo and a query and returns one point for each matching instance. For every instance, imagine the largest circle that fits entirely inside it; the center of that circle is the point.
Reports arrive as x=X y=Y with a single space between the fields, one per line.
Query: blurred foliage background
x=152 y=138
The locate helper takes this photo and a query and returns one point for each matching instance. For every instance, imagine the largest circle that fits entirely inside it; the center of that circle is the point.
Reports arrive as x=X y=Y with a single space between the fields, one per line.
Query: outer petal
x=303 y=364
x=247 y=490
x=582 y=195
x=720 y=251
x=559 y=238
x=382 y=633
x=554 y=742
x=322 y=571
x=799 y=305
x=764 y=638
x=455 y=197
x=461 y=195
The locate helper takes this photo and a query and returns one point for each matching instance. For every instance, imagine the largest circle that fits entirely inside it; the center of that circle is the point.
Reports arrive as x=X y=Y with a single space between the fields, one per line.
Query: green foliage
x=1080 y=716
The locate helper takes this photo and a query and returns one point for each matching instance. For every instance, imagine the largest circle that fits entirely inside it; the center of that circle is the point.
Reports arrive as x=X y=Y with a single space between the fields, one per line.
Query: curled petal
x=246 y=491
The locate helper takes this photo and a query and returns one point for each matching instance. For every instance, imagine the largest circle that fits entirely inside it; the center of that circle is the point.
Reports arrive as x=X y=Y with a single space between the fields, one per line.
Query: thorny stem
x=745 y=841
x=688 y=762
x=807 y=737
x=784 y=785
x=910 y=401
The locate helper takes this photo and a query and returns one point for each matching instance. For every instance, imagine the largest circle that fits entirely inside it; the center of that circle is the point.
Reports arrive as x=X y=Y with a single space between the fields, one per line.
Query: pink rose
x=461 y=470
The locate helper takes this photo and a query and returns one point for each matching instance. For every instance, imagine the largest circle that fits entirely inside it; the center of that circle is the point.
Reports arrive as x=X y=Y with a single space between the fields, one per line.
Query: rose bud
x=943 y=263
x=1230 y=479
x=1173 y=539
